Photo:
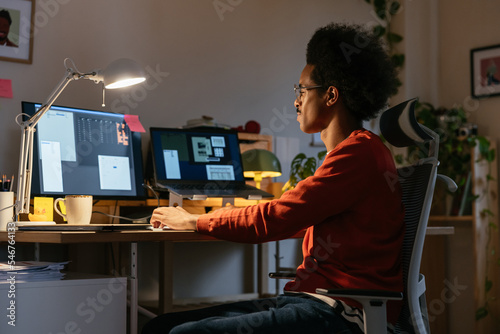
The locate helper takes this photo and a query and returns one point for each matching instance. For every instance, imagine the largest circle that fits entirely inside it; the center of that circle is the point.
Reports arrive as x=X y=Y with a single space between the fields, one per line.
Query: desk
x=132 y=237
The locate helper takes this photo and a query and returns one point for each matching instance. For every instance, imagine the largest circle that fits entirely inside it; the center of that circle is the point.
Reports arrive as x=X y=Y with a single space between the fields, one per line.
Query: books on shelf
x=32 y=271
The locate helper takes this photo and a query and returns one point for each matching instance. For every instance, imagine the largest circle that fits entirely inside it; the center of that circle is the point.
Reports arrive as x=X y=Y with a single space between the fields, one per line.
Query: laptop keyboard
x=207 y=186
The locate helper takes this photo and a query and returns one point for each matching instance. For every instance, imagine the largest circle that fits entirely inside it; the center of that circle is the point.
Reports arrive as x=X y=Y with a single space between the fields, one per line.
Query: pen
x=6 y=184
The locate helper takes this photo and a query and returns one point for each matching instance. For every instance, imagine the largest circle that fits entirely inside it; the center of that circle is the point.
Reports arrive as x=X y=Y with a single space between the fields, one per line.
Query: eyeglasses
x=298 y=89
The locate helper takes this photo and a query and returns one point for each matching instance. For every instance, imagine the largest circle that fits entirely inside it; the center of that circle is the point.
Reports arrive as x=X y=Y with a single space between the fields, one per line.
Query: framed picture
x=16 y=30
x=485 y=71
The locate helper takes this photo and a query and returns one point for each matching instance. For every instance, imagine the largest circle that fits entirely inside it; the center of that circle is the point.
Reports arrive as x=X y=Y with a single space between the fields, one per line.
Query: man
x=353 y=217
x=5 y=23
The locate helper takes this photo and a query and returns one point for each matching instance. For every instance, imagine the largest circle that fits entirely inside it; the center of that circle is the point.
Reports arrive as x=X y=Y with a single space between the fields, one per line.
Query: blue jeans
x=283 y=314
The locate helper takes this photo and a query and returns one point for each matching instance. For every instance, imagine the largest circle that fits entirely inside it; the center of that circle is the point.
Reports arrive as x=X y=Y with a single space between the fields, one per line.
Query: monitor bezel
x=29 y=108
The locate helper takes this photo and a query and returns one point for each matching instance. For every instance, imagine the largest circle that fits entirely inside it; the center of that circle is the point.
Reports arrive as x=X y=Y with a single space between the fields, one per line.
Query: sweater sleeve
x=342 y=180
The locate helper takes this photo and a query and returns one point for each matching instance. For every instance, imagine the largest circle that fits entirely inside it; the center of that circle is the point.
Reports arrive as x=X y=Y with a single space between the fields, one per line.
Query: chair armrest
x=283 y=275
x=362 y=294
x=450 y=184
x=374 y=305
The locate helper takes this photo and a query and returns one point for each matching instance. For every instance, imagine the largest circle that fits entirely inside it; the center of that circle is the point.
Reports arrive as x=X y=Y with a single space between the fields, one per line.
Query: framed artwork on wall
x=16 y=30
x=485 y=71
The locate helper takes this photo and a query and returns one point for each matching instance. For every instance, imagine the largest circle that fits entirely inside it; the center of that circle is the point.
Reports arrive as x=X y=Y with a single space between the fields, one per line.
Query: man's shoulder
x=363 y=138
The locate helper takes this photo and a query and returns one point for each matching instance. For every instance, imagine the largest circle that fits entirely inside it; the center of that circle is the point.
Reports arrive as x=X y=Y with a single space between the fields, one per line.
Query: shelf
x=451 y=219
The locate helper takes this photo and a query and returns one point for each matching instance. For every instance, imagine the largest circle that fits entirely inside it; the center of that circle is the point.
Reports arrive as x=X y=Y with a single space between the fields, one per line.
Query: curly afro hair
x=356 y=63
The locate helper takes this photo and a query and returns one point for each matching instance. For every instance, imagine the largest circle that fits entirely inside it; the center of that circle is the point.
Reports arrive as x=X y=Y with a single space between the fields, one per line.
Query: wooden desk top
x=72 y=237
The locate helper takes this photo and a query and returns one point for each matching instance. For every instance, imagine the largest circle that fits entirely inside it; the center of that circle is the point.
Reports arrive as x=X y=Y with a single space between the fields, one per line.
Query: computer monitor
x=85 y=152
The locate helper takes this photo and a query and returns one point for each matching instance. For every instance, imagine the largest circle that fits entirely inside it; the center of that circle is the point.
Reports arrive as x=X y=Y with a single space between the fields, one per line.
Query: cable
x=72 y=63
x=7 y=207
x=133 y=219
x=153 y=191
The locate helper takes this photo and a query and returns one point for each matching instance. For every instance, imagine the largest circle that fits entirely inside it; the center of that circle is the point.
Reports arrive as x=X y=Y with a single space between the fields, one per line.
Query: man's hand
x=175 y=218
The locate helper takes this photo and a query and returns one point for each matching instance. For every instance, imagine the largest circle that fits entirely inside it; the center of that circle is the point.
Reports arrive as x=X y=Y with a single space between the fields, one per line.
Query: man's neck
x=341 y=126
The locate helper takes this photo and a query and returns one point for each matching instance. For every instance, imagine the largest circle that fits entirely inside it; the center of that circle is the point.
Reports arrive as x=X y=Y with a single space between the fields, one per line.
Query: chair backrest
x=400 y=128
x=417 y=183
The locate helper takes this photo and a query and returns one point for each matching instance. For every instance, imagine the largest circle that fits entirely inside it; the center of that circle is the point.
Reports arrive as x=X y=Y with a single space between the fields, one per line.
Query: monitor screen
x=85 y=152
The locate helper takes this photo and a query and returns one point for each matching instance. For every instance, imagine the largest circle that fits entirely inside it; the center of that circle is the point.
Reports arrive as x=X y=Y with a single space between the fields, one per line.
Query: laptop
x=200 y=162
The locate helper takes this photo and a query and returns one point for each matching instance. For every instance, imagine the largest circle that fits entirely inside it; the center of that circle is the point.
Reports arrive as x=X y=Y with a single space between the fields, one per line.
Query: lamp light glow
x=122 y=73
x=258 y=163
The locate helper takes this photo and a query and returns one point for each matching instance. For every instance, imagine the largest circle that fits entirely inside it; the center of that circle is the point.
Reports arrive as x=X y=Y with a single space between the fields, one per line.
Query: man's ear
x=332 y=95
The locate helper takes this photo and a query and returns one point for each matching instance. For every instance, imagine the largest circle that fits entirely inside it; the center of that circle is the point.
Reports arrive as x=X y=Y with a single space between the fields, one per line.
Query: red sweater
x=352 y=210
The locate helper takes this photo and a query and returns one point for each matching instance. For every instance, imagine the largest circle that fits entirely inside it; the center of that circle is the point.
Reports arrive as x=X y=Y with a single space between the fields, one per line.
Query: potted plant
x=302 y=167
x=457 y=138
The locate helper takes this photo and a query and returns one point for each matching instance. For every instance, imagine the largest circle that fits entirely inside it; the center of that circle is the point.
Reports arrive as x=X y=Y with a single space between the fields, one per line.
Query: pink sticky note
x=6 y=88
x=133 y=123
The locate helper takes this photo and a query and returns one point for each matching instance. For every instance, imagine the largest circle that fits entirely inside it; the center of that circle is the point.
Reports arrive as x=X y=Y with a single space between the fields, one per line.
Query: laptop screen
x=196 y=155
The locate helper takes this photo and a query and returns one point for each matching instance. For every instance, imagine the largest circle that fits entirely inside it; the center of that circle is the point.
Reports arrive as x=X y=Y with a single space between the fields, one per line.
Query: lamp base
x=30 y=223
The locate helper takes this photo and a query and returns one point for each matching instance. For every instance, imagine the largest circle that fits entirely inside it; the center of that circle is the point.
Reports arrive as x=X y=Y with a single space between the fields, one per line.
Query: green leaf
x=394 y=7
x=481 y=313
x=322 y=154
x=487 y=212
x=380 y=7
x=488 y=284
x=398 y=59
x=394 y=38
x=379 y=31
x=309 y=167
x=491 y=155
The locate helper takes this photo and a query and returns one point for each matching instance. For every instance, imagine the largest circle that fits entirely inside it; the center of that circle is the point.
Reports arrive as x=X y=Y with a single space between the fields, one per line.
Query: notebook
x=202 y=162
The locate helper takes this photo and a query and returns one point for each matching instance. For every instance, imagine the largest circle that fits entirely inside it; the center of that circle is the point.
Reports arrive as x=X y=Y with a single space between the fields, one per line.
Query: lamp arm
x=70 y=76
x=22 y=204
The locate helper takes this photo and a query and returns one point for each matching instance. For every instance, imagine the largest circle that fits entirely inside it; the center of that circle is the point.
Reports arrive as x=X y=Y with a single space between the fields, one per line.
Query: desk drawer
x=74 y=305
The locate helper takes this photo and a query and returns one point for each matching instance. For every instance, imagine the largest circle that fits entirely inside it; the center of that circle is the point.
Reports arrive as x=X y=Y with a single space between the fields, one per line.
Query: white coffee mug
x=7 y=209
x=78 y=209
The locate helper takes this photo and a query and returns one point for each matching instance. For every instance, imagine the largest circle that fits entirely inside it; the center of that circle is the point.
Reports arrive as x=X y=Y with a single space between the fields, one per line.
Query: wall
x=235 y=64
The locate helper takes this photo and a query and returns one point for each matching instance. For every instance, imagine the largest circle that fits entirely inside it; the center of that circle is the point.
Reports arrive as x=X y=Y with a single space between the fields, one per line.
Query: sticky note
x=6 y=88
x=44 y=206
x=133 y=123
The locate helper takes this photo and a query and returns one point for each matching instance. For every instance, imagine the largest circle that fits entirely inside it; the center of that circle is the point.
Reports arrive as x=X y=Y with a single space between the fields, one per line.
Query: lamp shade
x=261 y=162
x=122 y=73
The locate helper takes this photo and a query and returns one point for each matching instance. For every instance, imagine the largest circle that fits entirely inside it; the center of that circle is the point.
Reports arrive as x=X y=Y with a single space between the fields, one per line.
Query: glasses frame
x=298 y=89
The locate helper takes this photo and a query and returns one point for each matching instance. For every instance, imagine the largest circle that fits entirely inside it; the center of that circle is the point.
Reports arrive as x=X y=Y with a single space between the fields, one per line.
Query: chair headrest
x=399 y=126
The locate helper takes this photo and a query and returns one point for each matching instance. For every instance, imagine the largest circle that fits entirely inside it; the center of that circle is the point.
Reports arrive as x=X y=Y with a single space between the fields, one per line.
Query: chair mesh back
x=414 y=181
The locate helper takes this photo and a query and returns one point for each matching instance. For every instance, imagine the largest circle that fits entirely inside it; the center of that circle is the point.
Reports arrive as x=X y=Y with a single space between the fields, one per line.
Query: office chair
x=400 y=128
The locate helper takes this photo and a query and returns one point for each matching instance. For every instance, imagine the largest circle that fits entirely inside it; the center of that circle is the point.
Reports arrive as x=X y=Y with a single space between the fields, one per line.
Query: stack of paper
x=32 y=271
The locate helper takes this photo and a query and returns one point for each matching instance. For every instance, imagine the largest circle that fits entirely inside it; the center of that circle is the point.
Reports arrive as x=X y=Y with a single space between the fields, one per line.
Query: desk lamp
x=259 y=163
x=120 y=73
